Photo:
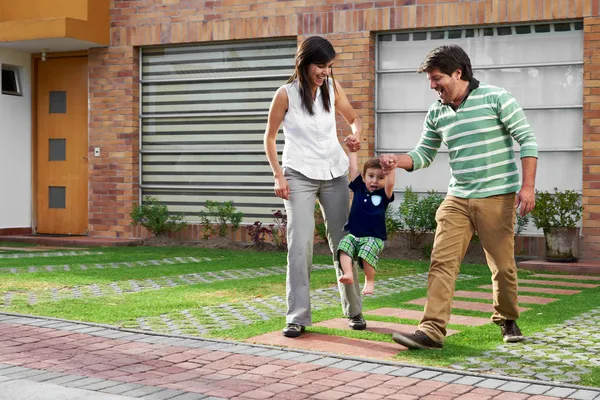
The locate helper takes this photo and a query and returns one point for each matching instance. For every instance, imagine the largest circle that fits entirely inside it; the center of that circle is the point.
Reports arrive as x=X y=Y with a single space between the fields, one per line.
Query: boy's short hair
x=373 y=163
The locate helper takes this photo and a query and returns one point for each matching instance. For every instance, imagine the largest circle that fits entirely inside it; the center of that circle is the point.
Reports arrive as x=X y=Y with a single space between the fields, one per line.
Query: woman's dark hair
x=313 y=50
x=448 y=59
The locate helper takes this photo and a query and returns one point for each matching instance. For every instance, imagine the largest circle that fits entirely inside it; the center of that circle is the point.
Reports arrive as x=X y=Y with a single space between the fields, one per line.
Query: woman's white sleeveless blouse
x=311 y=144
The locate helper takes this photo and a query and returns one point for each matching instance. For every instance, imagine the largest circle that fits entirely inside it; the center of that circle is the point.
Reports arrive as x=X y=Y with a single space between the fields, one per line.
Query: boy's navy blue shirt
x=367 y=214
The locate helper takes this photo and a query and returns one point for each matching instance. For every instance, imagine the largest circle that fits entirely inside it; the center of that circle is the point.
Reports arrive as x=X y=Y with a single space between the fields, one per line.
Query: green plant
x=392 y=225
x=522 y=223
x=320 y=228
x=417 y=216
x=154 y=216
x=558 y=209
x=221 y=215
x=279 y=230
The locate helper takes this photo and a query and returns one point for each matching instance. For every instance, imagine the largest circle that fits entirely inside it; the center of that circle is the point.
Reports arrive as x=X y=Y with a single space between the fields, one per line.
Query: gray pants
x=334 y=197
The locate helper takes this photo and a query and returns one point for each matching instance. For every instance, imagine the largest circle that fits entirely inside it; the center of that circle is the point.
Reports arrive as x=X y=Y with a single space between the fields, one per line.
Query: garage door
x=204 y=113
x=541 y=65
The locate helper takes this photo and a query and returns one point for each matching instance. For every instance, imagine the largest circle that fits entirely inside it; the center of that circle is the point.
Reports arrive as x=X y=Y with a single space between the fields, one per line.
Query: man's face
x=374 y=179
x=445 y=85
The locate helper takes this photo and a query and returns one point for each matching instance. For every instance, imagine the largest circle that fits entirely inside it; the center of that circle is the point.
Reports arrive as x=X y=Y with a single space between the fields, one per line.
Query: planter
x=562 y=244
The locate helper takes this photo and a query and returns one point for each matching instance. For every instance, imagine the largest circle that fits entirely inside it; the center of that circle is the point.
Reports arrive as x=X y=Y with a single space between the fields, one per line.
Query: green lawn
x=152 y=305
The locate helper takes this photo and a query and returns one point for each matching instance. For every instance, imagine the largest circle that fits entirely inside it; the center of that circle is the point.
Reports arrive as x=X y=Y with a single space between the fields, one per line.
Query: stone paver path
x=51 y=254
x=465 y=305
x=136 y=365
x=530 y=289
x=560 y=353
x=228 y=316
x=577 y=277
x=416 y=315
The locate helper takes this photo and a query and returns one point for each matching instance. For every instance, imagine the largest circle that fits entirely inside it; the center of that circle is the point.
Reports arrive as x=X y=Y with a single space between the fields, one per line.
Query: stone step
x=417 y=315
x=331 y=344
x=490 y=296
x=579 y=277
x=374 y=326
x=539 y=290
x=559 y=283
x=465 y=305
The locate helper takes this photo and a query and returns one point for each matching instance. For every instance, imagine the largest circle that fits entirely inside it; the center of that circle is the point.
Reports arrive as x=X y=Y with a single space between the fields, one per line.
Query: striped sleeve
x=428 y=146
x=516 y=124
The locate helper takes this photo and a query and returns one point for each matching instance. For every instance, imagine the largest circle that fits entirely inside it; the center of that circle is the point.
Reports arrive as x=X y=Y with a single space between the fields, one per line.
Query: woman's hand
x=353 y=143
x=282 y=190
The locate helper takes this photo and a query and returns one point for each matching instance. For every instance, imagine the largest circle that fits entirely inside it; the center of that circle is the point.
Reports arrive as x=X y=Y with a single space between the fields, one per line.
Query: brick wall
x=349 y=24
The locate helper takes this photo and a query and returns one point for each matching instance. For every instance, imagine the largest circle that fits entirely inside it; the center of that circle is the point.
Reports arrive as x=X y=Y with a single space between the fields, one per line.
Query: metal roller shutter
x=203 y=116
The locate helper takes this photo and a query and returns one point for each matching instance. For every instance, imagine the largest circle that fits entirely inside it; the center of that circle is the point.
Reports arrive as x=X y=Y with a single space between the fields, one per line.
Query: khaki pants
x=333 y=195
x=493 y=218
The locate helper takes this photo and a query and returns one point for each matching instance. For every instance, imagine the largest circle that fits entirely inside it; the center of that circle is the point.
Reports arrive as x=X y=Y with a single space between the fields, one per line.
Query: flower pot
x=562 y=244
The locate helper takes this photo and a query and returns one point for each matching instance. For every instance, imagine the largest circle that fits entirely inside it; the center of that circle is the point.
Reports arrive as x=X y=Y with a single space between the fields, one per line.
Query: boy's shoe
x=511 y=332
x=417 y=340
x=357 y=323
x=293 y=330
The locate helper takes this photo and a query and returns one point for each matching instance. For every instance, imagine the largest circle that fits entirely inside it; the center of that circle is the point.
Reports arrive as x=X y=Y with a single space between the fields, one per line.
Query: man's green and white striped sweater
x=479 y=136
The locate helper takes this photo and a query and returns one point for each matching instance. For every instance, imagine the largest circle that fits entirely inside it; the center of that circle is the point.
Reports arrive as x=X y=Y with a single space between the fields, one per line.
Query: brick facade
x=351 y=27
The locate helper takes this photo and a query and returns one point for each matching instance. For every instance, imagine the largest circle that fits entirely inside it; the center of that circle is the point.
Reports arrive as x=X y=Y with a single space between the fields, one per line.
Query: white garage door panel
x=486 y=50
x=558 y=169
x=554 y=129
x=435 y=177
x=555 y=86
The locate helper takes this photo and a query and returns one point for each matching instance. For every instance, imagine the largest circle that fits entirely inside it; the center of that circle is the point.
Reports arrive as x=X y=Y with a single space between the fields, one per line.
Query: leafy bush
x=320 y=228
x=258 y=232
x=392 y=225
x=221 y=215
x=522 y=223
x=154 y=216
x=561 y=209
x=279 y=230
x=417 y=216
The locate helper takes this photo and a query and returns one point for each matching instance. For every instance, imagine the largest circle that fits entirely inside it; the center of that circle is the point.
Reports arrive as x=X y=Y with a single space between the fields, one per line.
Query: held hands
x=525 y=200
x=353 y=143
x=388 y=163
x=282 y=190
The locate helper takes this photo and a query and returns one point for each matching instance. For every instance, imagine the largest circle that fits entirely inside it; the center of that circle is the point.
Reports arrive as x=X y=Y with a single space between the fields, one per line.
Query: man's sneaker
x=357 y=323
x=511 y=332
x=293 y=330
x=417 y=340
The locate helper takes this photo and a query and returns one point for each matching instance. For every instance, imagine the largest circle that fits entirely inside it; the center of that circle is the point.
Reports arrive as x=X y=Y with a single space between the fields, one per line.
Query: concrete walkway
x=51 y=359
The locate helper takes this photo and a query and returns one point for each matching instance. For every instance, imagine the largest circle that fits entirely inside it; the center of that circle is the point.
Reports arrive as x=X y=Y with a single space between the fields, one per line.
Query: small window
x=504 y=30
x=402 y=37
x=11 y=84
x=437 y=35
x=420 y=36
x=455 y=34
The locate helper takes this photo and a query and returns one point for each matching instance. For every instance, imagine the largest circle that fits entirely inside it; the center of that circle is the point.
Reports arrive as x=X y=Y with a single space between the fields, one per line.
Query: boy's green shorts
x=365 y=248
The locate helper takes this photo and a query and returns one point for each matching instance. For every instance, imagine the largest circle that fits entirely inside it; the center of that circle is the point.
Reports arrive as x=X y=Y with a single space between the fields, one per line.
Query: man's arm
x=513 y=118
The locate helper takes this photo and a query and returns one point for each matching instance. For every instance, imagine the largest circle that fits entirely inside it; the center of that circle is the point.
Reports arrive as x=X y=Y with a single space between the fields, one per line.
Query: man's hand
x=352 y=143
x=525 y=200
x=388 y=163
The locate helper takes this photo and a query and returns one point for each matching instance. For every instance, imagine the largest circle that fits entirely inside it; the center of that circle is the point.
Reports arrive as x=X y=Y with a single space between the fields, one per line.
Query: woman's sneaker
x=357 y=323
x=511 y=332
x=293 y=330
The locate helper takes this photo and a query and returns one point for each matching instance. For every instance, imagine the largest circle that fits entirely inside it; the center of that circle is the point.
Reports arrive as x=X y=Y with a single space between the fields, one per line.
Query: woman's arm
x=342 y=104
x=277 y=112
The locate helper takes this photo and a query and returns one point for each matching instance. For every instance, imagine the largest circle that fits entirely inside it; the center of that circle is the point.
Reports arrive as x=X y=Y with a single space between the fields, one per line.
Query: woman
x=314 y=166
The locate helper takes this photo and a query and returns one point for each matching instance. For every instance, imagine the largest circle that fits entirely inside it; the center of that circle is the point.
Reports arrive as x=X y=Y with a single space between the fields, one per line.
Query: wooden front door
x=62 y=146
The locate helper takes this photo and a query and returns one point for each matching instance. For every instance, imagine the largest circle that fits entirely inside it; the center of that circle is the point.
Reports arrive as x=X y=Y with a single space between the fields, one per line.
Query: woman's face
x=319 y=72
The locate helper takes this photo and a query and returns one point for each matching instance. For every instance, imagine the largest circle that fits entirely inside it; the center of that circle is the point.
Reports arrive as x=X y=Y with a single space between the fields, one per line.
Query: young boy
x=373 y=191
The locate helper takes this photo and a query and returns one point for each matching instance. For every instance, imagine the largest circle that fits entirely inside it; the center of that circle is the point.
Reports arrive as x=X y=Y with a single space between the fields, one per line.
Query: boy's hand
x=352 y=143
x=388 y=163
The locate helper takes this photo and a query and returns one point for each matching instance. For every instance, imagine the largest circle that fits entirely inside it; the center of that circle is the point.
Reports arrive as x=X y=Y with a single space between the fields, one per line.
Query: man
x=478 y=124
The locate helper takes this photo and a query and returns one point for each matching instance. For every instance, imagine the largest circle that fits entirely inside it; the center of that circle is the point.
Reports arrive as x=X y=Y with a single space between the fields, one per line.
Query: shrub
x=417 y=216
x=154 y=216
x=560 y=209
x=279 y=230
x=258 y=232
x=522 y=223
x=221 y=215
x=320 y=228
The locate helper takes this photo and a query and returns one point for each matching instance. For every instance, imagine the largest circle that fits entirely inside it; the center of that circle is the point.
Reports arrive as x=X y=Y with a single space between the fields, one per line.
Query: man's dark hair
x=448 y=59
x=372 y=163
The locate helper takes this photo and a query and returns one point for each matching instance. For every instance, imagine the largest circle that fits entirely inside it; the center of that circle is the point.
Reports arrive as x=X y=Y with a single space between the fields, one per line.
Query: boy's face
x=374 y=179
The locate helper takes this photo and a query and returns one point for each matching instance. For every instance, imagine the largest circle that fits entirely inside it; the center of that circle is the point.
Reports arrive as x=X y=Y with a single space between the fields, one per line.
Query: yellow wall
x=86 y=20
x=12 y=10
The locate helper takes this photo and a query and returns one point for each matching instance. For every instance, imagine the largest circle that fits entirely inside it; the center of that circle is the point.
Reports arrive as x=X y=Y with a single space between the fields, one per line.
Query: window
x=11 y=84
